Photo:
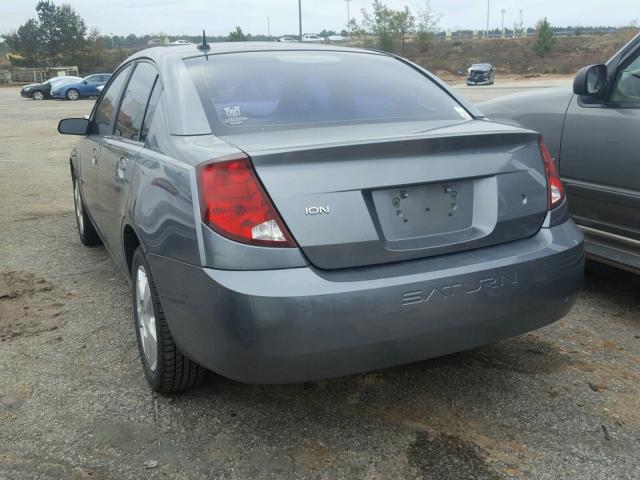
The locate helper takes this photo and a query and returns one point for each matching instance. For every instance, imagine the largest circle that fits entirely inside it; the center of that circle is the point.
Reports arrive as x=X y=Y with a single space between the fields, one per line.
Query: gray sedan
x=294 y=212
x=594 y=135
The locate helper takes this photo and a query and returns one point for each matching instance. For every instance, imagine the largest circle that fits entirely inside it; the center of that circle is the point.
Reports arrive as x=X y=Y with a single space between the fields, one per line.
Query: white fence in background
x=34 y=75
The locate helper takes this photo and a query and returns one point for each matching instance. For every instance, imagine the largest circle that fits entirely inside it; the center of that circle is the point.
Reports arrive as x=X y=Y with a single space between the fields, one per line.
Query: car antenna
x=204 y=46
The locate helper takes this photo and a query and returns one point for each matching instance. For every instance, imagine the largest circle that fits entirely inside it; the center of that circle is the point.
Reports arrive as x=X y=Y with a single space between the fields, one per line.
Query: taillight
x=234 y=204
x=555 y=188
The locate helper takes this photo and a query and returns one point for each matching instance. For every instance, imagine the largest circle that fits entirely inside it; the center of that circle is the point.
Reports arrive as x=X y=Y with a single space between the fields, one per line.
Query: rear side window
x=135 y=100
x=284 y=89
x=105 y=111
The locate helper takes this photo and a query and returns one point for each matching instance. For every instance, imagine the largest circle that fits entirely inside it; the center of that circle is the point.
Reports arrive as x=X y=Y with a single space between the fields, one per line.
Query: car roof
x=176 y=52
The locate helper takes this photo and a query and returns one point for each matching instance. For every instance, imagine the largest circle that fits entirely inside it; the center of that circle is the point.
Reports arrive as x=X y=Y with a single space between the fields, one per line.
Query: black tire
x=86 y=231
x=72 y=94
x=173 y=371
x=38 y=95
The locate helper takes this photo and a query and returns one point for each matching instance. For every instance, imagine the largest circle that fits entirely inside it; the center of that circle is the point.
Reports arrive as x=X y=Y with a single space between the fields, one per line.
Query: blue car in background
x=87 y=87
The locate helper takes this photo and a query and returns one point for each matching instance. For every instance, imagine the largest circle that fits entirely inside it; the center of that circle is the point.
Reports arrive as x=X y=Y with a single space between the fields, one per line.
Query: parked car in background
x=181 y=42
x=42 y=91
x=480 y=74
x=296 y=212
x=288 y=39
x=337 y=38
x=312 y=39
x=593 y=132
x=86 y=87
x=158 y=42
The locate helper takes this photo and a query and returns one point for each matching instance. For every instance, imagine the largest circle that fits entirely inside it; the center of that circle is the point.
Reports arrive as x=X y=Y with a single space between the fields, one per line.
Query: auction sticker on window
x=233 y=116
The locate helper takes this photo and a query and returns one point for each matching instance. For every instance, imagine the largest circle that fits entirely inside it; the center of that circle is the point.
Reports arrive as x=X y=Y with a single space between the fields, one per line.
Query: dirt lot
x=559 y=403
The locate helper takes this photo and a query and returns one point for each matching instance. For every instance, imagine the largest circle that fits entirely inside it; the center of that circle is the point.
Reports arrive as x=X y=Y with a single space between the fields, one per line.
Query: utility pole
x=522 y=34
x=348 y=16
x=300 y=20
x=503 y=11
x=269 y=28
x=488 y=10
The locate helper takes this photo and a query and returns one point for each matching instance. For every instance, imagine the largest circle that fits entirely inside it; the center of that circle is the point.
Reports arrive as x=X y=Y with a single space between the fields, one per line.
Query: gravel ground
x=559 y=403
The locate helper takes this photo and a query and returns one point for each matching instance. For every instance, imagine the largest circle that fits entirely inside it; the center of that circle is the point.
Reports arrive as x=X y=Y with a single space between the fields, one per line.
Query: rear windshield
x=256 y=91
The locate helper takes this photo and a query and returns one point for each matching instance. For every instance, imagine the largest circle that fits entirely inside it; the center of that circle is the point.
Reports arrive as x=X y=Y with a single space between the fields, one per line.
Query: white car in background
x=312 y=39
x=288 y=39
x=337 y=38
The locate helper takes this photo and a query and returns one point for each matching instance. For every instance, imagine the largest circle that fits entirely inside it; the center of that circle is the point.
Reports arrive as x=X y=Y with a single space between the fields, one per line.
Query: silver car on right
x=594 y=135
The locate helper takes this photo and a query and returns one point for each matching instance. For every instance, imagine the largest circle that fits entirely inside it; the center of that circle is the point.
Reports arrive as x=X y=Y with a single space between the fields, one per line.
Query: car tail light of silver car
x=234 y=204
x=554 y=184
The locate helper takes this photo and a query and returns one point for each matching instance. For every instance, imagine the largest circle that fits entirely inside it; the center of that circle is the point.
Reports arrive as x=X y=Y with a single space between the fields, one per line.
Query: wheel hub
x=146 y=319
x=78 y=201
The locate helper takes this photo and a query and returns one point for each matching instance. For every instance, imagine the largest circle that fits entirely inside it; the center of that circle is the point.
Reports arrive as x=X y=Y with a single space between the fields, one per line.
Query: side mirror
x=590 y=81
x=73 y=126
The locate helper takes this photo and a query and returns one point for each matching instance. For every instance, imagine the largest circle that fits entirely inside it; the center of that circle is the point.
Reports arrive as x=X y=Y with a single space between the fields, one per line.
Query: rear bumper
x=300 y=324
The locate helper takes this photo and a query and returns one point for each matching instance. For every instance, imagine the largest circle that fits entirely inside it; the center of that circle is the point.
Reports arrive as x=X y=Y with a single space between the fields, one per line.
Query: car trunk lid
x=370 y=194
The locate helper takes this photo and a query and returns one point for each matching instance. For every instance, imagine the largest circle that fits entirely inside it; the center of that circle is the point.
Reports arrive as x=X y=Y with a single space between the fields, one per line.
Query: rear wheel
x=166 y=369
x=38 y=95
x=73 y=94
x=86 y=230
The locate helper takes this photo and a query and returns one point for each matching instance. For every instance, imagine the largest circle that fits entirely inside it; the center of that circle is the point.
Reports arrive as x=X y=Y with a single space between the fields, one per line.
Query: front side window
x=105 y=111
x=135 y=100
x=283 y=89
x=627 y=87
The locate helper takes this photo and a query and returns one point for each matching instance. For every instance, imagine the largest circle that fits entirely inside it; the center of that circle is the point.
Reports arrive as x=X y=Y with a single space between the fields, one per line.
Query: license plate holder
x=424 y=210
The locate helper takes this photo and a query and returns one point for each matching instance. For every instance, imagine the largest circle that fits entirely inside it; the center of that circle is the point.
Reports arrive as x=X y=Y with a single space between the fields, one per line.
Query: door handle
x=121 y=167
x=94 y=158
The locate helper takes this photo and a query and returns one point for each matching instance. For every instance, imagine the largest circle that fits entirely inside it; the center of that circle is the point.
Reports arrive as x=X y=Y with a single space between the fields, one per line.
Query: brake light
x=555 y=188
x=234 y=204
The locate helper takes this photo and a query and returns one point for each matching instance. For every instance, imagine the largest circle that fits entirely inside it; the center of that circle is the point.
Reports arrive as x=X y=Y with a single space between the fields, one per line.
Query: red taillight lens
x=554 y=184
x=234 y=204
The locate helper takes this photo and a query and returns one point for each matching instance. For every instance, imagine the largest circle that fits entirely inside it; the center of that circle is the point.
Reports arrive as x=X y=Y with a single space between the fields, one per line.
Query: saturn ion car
x=295 y=212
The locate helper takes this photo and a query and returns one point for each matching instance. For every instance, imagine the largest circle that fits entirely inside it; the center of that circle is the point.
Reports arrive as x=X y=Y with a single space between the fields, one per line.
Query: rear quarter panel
x=542 y=111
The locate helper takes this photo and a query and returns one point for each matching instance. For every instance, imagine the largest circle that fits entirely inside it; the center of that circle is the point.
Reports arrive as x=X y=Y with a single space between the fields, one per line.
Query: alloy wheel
x=77 y=199
x=146 y=319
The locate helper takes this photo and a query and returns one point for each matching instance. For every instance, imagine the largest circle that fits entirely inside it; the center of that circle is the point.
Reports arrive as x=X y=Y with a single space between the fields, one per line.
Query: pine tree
x=545 y=40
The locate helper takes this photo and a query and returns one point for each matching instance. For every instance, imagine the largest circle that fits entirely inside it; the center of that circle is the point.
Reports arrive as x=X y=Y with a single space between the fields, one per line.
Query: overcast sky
x=218 y=17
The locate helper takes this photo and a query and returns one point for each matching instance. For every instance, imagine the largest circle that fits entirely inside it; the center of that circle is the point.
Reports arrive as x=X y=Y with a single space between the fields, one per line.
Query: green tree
x=72 y=29
x=61 y=28
x=545 y=40
x=428 y=23
x=387 y=27
x=403 y=23
x=96 y=47
x=26 y=41
x=327 y=33
x=237 y=35
x=56 y=34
